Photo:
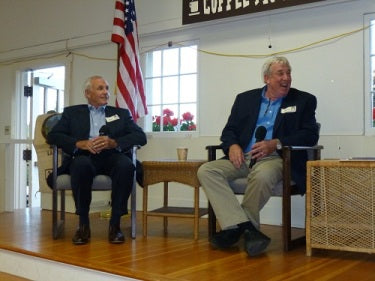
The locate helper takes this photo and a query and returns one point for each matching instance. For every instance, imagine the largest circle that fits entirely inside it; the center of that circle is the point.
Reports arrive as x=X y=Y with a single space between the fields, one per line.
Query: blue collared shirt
x=267 y=115
x=97 y=120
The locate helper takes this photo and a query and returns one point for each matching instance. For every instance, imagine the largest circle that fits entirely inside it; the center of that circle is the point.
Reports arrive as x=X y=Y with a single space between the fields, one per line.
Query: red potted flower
x=187 y=123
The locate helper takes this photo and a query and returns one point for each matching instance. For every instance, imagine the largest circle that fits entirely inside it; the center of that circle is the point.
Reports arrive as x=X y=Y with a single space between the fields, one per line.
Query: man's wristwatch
x=279 y=146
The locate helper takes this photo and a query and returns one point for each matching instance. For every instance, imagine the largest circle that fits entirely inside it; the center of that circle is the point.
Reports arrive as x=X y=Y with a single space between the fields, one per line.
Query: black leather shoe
x=226 y=238
x=82 y=235
x=255 y=242
x=115 y=235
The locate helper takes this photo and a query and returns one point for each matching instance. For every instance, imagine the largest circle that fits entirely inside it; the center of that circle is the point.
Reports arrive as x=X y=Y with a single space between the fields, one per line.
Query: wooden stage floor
x=175 y=256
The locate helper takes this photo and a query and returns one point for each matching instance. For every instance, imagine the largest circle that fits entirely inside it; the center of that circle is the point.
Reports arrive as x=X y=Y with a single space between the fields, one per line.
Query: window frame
x=149 y=117
x=368 y=77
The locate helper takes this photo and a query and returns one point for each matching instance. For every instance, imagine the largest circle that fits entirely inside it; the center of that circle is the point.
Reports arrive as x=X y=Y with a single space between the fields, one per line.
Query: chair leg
x=288 y=242
x=54 y=214
x=211 y=221
x=133 y=207
x=133 y=200
x=62 y=201
x=286 y=204
x=287 y=224
x=58 y=223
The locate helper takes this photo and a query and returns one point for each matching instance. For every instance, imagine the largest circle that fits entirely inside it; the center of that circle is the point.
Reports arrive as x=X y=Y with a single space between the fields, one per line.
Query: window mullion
x=174 y=88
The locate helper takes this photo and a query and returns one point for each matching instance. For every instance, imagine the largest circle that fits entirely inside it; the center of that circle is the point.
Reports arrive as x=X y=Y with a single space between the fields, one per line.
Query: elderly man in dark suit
x=98 y=137
x=287 y=117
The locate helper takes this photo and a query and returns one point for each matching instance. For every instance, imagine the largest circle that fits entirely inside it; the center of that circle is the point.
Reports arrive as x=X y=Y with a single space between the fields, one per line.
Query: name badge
x=289 y=109
x=112 y=118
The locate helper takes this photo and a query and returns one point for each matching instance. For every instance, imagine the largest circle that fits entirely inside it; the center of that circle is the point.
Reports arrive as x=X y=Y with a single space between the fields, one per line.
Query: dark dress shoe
x=82 y=235
x=255 y=242
x=226 y=238
x=115 y=235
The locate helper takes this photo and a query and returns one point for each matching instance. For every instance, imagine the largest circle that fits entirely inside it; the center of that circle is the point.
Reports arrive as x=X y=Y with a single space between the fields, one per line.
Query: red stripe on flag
x=130 y=89
x=120 y=5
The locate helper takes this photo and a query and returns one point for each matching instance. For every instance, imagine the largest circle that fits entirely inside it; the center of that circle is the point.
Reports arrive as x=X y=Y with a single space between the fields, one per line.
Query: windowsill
x=184 y=134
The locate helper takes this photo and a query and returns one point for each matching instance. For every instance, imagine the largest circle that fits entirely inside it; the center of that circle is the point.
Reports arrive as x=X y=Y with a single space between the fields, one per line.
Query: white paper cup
x=182 y=153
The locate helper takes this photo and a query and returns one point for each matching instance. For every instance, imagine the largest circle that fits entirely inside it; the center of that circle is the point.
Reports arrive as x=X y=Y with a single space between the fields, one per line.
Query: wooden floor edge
x=141 y=275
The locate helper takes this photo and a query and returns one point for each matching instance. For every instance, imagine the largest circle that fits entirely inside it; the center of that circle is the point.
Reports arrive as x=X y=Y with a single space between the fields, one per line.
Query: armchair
x=285 y=188
x=49 y=158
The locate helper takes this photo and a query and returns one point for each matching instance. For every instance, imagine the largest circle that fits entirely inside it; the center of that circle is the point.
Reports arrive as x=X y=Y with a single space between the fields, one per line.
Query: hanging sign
x=204 y=10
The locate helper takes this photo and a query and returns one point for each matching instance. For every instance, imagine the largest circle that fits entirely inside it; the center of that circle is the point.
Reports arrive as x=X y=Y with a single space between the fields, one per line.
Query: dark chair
x=285 y=188
x=61 y=183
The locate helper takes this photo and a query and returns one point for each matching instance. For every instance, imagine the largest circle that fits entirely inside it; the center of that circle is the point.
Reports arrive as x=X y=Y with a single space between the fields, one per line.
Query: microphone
x=260 y=134
x=104 y=131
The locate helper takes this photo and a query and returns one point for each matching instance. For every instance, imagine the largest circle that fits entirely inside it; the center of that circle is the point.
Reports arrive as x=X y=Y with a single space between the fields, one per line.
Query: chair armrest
x=211 y=150
x=313 y=152
x=134 y=153
x=315 y=147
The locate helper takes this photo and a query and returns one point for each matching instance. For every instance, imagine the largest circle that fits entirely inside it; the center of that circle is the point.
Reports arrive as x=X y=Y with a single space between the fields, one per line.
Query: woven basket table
x=340 y=206
x=166 y=171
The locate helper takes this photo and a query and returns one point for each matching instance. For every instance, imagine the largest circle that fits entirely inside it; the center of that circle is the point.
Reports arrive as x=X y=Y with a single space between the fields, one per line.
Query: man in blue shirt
x=287 y=117
x=98 y=137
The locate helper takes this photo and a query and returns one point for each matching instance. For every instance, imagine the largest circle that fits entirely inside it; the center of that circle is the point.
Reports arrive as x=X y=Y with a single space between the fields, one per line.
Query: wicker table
x=184 y=172
x=340 y=205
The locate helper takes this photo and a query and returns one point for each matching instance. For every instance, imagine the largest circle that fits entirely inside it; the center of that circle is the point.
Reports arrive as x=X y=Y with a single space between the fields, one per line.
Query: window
x=171 y=89
x=49 y=85
x=369 y=63
x=372 y=69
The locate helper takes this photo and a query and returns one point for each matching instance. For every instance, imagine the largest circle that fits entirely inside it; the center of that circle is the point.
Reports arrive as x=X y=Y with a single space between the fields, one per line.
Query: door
x=43 y=91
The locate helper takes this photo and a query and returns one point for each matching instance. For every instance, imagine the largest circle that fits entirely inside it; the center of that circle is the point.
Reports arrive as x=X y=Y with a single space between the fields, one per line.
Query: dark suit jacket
x=74 y=125
x=295 y=124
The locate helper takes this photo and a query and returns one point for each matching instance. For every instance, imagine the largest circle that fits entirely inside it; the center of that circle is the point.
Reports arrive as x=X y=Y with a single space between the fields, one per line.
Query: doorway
x=43 y=91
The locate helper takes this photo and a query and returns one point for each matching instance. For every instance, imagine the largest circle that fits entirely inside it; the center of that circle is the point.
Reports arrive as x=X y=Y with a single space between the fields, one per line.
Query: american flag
x=129 y=90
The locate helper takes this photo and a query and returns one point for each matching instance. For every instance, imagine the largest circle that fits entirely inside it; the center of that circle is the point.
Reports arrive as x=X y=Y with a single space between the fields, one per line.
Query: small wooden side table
x=166 y=171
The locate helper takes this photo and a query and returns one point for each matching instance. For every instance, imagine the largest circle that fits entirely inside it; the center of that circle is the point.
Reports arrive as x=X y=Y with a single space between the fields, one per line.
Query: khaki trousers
x=261 y=180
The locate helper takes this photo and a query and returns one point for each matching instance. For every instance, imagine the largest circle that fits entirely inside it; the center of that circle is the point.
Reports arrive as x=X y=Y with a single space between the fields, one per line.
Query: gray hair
x=266 y=69
x=88 y=82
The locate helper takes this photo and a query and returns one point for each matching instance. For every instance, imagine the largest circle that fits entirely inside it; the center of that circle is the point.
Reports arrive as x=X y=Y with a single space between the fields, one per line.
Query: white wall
x=333 y=71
